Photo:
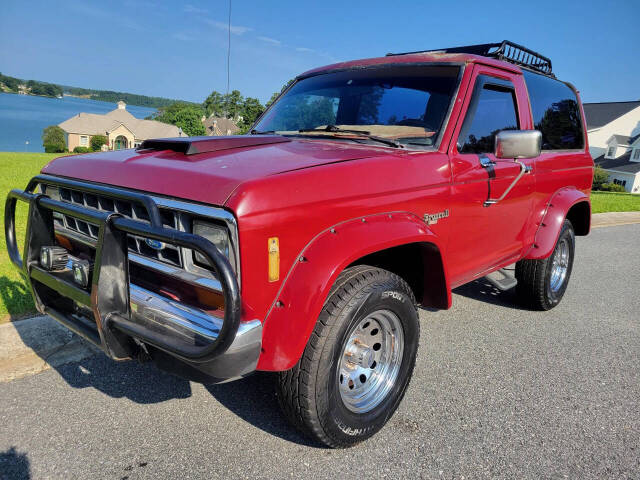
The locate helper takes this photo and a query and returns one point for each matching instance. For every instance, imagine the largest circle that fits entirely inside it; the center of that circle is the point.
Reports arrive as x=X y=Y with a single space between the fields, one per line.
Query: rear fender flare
x=550 y=226
x=295 y=310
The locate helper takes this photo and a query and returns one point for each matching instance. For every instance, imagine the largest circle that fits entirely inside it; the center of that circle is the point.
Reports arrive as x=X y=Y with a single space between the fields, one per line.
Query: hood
x=208 y=177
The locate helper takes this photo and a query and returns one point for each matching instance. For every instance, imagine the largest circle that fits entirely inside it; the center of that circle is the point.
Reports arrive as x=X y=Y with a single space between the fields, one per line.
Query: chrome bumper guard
x=227 y=348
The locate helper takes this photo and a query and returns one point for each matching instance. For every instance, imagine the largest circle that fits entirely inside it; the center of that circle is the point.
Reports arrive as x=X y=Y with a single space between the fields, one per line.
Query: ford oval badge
x=155 y=244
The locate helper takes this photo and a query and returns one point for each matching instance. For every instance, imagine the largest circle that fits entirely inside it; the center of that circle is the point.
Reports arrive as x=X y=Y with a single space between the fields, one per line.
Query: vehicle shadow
x=139 y=382
x=82 y=365
x=253 y=399
x=484 y=291
x=14 y=465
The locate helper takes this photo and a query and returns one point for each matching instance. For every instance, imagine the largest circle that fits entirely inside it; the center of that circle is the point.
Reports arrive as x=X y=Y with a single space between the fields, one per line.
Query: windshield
x=407 y=104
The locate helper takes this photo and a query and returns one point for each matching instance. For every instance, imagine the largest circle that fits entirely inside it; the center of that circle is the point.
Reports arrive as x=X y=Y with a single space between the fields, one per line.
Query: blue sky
x=178 y=50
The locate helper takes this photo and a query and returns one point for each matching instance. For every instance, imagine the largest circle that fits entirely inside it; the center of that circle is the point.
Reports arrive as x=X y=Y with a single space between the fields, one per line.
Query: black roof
x=621 y=164
x=599 y=114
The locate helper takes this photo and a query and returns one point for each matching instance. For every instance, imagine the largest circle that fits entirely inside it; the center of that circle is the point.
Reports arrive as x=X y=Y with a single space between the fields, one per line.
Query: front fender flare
x=548 y=231
x=294 y=312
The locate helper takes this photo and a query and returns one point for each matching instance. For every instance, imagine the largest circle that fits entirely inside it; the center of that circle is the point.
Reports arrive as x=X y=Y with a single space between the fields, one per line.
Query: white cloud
x=269 y=40
x=304 y=49
x=235 y=29
x=191 y=9
x=182 y=37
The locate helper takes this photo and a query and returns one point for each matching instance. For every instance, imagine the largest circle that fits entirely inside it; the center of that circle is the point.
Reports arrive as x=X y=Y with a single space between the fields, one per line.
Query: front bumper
x=122 y=319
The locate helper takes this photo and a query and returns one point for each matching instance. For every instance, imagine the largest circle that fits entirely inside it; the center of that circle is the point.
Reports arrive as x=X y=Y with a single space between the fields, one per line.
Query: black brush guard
x=108 y=296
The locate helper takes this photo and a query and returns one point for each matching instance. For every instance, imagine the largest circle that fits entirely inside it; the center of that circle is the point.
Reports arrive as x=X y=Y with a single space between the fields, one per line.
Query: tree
x=233 y=104
x=214 y=104
x=11 y=83
x=97 y=141
x=53 y=139
x=600 y=177
x=276 y=94
x=184 y=115
x=250 y=111
x=272 y=99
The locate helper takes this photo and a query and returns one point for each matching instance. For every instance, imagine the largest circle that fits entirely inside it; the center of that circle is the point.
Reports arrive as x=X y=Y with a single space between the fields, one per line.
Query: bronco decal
x=431 y=218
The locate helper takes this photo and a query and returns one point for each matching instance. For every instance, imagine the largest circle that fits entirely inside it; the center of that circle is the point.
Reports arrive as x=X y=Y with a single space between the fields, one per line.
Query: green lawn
x=614 y=202
x=16 y=169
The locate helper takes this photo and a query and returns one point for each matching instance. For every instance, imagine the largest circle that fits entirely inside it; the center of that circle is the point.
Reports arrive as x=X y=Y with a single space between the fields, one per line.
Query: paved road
x=497 y=392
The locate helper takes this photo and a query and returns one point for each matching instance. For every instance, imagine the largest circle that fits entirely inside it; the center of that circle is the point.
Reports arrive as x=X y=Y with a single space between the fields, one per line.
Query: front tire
x=542 y=283
x=358 y=362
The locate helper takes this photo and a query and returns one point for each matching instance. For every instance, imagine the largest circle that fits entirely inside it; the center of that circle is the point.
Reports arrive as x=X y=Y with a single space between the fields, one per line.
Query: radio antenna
x=226 y=103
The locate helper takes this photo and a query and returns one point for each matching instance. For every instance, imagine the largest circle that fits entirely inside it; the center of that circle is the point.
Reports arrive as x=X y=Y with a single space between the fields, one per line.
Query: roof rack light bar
x=506 y=50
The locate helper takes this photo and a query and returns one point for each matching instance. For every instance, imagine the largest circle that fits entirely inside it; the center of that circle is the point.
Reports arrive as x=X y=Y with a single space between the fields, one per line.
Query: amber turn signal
x=274 y=259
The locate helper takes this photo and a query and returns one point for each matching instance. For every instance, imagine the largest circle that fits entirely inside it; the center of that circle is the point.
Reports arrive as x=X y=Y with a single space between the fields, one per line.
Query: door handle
x=486 y=162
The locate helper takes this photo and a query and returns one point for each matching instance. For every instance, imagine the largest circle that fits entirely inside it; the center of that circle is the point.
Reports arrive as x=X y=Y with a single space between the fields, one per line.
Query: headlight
x=52 y=192
x=216 y=234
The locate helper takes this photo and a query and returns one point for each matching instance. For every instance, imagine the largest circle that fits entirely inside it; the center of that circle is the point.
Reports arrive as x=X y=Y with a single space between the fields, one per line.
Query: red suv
x=368 y=188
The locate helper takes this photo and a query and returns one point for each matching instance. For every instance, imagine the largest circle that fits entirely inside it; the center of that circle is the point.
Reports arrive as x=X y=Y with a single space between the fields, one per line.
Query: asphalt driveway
x=497 y=392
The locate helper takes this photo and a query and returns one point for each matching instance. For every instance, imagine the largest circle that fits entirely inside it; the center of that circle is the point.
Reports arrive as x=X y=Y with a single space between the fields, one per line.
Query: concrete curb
x=35 y=344
x=611 y=219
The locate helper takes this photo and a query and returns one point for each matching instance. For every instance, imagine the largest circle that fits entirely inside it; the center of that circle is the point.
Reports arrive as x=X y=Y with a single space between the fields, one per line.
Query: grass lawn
x=614 y=202
x=16 y=169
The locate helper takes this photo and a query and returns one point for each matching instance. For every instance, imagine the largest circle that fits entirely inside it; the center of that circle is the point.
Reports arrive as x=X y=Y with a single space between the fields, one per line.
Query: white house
x=621 y=160
x=610 y=118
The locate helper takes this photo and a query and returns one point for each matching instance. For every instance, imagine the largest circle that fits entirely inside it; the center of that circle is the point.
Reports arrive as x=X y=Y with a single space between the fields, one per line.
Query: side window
x=492 y=108
x=556 y=112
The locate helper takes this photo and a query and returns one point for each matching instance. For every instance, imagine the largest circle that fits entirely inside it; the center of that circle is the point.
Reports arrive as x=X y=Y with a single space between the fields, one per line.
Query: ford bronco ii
x=368 y=188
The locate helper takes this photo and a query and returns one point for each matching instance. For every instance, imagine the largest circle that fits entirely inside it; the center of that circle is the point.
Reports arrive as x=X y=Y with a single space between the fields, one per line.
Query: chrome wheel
x=559 y=266
x=370 y=361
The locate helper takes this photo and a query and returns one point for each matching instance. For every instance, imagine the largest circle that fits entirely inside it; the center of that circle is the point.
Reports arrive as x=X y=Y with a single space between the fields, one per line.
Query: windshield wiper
x=362 y=133
x=259 y=132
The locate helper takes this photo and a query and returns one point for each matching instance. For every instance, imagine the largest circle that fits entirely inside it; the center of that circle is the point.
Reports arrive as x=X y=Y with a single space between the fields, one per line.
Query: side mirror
x=518 y=143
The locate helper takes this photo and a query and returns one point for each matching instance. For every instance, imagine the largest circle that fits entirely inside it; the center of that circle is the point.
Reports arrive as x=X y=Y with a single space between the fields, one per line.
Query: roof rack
x=506 y=50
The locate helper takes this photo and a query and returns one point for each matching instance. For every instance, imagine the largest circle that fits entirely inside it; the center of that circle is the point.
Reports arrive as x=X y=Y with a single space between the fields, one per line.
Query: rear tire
x=358 y=361
x=542 y=283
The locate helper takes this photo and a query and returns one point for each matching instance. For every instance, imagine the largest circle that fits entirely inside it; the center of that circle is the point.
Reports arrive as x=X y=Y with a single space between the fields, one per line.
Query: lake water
x=23 y=117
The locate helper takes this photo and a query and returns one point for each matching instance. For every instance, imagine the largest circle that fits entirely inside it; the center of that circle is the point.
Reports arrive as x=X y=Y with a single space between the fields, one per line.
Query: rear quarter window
x=556 y=113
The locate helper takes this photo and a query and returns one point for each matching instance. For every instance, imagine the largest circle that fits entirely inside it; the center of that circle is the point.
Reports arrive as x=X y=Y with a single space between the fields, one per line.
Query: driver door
x=497 y=103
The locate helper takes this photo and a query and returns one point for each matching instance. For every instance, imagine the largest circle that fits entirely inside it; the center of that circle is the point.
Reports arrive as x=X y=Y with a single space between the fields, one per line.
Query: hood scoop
x=194 y=145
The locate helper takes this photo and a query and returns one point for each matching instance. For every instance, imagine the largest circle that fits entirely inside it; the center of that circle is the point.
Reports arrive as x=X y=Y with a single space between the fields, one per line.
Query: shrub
x=612 y=187
x=53 y=139
x=81 y=150
x=52 y=148
x=97 y=141
x=600 y=177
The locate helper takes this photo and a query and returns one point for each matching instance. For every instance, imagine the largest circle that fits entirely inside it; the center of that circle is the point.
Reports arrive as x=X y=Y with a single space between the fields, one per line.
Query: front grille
x=167 y=253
